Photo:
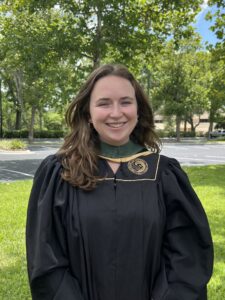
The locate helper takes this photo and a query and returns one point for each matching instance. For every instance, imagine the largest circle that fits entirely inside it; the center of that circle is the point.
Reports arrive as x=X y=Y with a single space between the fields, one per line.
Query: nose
x=116 y=111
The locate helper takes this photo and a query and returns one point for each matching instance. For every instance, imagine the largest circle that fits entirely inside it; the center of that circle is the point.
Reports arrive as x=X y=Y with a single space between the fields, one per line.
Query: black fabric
x=135 y=237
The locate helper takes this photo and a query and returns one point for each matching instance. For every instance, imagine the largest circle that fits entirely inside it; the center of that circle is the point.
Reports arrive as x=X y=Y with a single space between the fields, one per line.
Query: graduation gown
x=141 y=234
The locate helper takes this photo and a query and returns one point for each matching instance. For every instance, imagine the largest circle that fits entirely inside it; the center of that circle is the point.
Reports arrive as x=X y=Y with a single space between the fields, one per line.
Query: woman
x=109 y=218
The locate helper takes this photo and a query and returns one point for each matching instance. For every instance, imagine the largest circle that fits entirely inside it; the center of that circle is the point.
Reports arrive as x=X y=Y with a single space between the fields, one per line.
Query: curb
x=15 y=151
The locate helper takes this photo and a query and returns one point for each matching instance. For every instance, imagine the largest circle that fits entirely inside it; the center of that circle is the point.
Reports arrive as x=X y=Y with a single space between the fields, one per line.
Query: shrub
x=172 y=134
x=15 y=134
x=49 y=134
x=53 y=121
x=12 y=145
x=23 y=134
x=188 y=134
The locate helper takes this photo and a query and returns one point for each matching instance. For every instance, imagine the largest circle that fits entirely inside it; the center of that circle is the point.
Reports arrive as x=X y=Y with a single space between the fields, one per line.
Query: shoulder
x=168 y=162
x=51 y=160
x=164 y=165
x=162 y=162
x=50 y=165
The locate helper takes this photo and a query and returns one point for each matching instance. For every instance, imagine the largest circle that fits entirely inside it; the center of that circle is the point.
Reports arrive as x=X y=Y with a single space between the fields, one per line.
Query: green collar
x=125 y=150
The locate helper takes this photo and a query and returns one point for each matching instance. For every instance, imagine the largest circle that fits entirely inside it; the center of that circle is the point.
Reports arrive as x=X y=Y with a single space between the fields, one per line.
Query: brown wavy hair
x=79 y=153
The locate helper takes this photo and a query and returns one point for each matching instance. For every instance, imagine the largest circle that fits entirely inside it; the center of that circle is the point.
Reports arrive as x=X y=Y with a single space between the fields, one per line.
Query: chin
x=118 y=142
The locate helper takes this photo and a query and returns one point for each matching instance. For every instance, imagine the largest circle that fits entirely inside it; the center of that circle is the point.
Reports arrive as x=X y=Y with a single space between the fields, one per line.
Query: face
x=113 y=109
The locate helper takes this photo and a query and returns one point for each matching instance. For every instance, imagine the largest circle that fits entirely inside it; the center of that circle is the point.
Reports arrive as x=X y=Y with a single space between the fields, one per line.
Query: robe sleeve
x=47 y=260
x=187 y=250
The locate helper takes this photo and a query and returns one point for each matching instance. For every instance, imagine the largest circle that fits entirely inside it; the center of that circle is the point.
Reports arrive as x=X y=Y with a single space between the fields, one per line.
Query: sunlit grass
x=12 y=144
x=13 y=273
x=209 y=185
x=208 y=182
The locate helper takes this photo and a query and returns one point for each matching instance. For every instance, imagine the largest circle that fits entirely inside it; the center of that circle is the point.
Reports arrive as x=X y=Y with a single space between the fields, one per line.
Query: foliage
x=181 y=81
x=218 y=26
x=53 y=121
x=49 y=134
x=120 y=27
x=216 y=92
x=31 y=68
x=173 y=134
x=47 y=48
x=37 y=134
x=12 y=145
x=220 y=123
x=219 y=16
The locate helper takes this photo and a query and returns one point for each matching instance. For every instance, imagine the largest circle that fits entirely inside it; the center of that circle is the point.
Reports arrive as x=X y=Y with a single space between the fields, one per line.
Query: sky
x=202 y=26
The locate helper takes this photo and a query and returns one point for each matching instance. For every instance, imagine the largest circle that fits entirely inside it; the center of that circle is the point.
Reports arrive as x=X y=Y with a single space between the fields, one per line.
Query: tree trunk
x=197 y=124
x=40 y=119
x=8 y=120
x=98 y=40
x=185 y=125
x=192 y=126
x=18 y=119
x=1 y=114
x=31 y=129
x=18 y=76
x=178 y=121
x=211 y=121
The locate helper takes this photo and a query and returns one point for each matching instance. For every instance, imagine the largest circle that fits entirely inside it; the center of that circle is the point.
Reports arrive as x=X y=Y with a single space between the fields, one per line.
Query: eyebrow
x=122 y=98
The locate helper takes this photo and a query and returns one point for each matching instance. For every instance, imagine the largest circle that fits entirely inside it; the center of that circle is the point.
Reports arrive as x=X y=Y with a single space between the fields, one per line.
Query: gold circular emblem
x=138 y=166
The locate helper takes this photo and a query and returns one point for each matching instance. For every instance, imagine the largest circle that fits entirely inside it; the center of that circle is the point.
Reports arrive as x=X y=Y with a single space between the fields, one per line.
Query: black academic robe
x=142 y=234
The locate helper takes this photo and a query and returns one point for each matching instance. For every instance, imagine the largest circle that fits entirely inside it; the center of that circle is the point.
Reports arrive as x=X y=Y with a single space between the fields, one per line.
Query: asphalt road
x=22 y=165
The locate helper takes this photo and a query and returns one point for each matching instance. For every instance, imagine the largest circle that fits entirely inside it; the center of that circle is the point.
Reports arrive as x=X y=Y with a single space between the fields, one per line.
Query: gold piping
x=128 y=158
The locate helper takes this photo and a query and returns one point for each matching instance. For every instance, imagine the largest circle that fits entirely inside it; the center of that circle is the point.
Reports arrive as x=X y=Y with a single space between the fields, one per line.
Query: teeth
x=116 y=125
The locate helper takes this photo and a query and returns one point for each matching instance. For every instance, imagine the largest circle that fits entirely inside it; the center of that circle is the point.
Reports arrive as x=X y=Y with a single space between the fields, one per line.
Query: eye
x=126 y=102
x=103 y=104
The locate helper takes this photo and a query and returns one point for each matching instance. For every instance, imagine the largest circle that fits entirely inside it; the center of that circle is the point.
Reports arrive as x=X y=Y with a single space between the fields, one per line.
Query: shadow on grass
x=212 y=175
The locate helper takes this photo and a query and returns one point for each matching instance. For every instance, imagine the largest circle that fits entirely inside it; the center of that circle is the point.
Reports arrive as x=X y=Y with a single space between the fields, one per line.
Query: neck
x=128 y=149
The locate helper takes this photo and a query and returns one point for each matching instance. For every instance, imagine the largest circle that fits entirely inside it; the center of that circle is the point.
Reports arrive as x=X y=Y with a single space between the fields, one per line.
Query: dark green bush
x=23 y=134
x=49 y=134
x=15 y=134
x=188 y=134
x=172 y=134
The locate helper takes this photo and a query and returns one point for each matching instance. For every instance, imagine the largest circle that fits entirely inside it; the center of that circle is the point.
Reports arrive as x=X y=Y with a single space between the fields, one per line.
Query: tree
x=181 y=82
x=219 y=18
x=198 y=75
x=216 y=92
x=41 y=38
x=218 y=28
x=122 y=28
x=1 y=114
x=33 y=72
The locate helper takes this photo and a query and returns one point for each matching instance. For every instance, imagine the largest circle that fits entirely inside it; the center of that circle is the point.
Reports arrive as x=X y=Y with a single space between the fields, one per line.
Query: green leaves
x=182 y=80
x=55 y=44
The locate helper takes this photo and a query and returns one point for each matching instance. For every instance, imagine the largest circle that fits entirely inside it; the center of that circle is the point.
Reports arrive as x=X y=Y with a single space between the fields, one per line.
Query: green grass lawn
x=207 y=181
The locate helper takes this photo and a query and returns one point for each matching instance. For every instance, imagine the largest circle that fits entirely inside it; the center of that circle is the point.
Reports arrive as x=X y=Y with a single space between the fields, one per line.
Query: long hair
x=79 y=153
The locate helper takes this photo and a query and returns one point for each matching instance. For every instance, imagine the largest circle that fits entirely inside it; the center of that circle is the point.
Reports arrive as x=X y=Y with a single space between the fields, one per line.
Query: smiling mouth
x=116 y=125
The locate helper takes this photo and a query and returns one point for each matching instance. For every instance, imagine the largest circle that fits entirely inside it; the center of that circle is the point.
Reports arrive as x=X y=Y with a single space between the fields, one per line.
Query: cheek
x=133 y=114
x=97 y=115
